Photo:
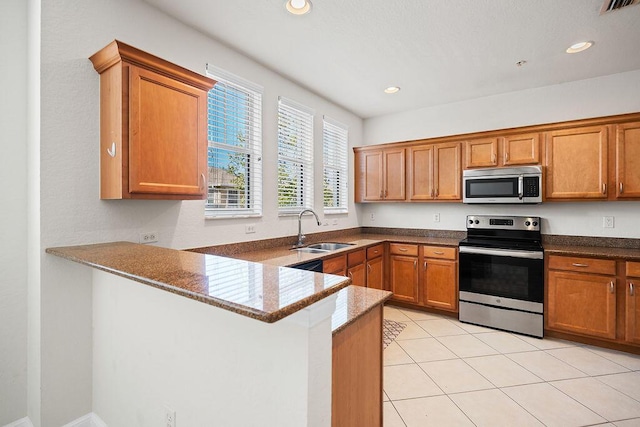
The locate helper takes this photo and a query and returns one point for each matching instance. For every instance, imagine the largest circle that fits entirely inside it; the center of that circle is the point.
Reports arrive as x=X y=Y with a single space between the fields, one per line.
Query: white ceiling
x=437 y=51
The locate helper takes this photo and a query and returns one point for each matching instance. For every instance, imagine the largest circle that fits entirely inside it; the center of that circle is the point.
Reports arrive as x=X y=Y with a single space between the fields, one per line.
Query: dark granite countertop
x=629 y=254
x=263 y=292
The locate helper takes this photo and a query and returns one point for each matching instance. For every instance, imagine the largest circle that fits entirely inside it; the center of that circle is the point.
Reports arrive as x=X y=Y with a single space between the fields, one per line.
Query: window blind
x=295 y=157
x=235 y=146
x=335 y=137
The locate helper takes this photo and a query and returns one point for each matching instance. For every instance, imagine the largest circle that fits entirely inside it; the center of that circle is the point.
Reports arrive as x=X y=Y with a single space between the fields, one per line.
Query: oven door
x=510 y=274
x=493 y=189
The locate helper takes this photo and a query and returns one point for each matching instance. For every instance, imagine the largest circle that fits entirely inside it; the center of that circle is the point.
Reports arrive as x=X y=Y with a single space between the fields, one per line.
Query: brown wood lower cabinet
x=582 y=303
x=439 y=288
x=375 y=273
x=357 y=373
x=632 y=333
x=403 y=272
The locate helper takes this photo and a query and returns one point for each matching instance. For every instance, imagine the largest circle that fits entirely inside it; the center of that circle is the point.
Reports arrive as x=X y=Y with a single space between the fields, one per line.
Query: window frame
x=302 y=128
x=335 y=157
x=253 y=148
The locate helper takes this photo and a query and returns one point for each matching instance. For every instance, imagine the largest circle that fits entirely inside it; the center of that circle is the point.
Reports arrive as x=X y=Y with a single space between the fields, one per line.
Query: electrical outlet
x=607 y=222
x=250 y=228
x=436 y=217
x=149 y=237
x=372 y=217
x=169 y=417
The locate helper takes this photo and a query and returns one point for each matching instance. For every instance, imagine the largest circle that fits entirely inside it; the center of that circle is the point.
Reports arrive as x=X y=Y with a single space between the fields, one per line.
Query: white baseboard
x=89 y=420
x=23 y=422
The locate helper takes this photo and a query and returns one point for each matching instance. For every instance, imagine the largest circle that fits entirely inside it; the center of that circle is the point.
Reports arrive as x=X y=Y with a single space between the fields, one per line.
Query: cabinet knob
x=112 y=151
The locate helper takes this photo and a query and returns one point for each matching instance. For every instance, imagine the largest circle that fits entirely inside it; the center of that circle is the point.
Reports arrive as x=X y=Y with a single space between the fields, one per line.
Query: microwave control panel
x=531 y=186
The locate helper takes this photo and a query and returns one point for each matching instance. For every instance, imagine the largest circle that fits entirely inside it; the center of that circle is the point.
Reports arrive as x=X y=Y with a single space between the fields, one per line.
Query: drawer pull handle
x=415 y=264
x=604 y=188
x=369 y=267
x=403 y=249
x=425 y=265
x=438 y=252
x=351 y=275
x=204 y=181
x=577 y=264
x=493 y=158
x=621 y=187
x=632 y=290
x=611 y=287
x=376 y=251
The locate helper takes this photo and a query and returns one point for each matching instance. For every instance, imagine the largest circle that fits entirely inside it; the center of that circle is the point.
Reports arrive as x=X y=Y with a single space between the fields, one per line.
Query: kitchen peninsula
x=266 y=342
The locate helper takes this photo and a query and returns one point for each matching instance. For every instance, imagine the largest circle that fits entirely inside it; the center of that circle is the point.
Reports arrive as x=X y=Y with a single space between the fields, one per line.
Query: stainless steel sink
x=311 y=250
x=320 y=248
x=330 y=246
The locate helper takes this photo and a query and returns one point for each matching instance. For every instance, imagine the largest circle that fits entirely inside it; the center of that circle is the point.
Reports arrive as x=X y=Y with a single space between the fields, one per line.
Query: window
x=295 y=157
x=334 y=147
x=235 y=146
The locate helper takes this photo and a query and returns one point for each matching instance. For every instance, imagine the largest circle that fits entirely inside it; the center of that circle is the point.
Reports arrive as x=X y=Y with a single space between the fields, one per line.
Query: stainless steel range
x=502 y=274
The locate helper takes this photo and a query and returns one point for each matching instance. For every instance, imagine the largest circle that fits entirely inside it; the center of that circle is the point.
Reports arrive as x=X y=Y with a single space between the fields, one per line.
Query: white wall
x=602 y=96
x=71 y=212
x=13 y=221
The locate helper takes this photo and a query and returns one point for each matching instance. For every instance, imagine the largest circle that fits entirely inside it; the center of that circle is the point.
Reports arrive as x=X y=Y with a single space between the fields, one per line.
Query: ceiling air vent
x=610 y=5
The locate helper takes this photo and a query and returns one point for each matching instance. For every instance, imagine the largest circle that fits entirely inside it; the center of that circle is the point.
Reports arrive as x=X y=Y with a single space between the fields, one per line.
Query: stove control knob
x=527 y=223
x=535 y=223
x=477 y=222
x=470 y=221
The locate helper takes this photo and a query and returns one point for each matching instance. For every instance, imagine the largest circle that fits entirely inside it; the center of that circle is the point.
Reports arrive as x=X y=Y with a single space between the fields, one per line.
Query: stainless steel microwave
x=503 y=185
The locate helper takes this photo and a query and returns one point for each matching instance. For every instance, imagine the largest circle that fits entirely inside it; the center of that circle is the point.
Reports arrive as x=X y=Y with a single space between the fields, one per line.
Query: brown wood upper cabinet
x=577 y=163
x=380 y=175
x=434 y=172
x=153 y=126
x=627 y=174
x=513 y=150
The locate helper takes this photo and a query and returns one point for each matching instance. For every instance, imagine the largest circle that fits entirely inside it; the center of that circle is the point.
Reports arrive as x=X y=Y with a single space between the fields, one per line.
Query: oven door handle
x=502 y=252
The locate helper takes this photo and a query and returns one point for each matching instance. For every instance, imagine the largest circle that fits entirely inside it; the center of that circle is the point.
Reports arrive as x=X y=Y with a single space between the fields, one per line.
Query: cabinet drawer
x=335 y=265
x=633 y=269
x=583 y=265
x=355 y=258
x=439 y=252
x=402 y=249
x=375 y=251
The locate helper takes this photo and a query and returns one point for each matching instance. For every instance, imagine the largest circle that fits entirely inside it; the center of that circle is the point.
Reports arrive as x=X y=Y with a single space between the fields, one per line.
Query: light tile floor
x=440 y=372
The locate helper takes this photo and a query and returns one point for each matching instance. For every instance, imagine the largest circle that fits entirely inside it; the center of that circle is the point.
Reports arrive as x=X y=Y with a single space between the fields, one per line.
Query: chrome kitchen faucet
x=301 y=236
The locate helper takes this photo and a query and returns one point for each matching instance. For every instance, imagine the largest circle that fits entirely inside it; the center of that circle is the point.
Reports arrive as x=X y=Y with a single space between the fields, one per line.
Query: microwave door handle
x=520 y=187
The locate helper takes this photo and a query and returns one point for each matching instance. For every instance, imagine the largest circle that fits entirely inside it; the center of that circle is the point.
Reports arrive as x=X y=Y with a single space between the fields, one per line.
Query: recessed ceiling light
x=298 y=7
x=579 y=47
x=392 y=89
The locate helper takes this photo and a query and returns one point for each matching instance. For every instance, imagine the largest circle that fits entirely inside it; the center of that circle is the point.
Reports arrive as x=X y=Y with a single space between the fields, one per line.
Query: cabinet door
x=577 y=163
x=421 y=173
x=447 y=172
x=375 y=273
x=628 y=160
x=521 y=149
x=394 y=178
x=358 y=275
x=167 y=131
x=481 y=153
x=372 y=178
x=440 y=284
x=336 y=265
x=404 y=278
x=633 y=312
x=582 y=303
